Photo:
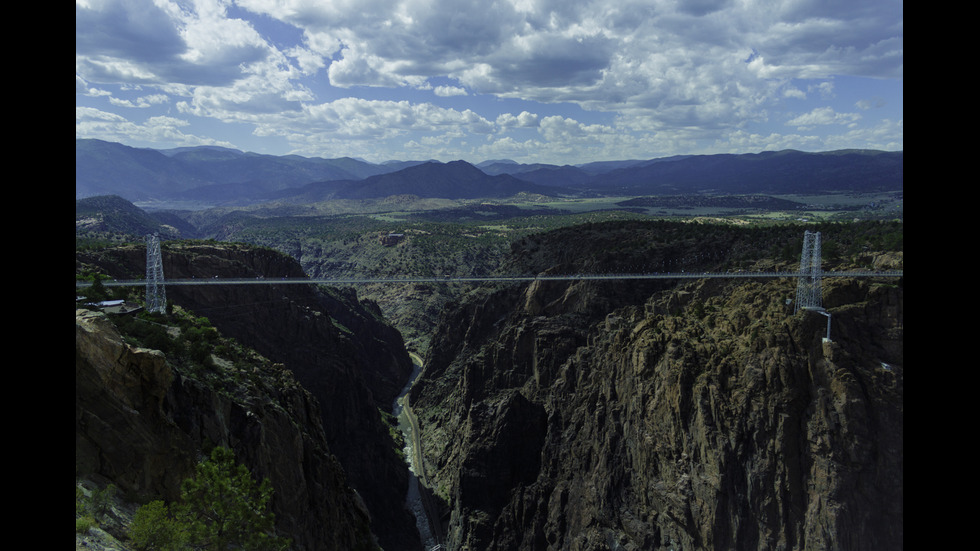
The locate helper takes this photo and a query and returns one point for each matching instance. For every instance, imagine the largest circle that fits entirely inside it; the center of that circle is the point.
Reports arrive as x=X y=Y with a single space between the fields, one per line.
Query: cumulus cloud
x=164 y=43
x=447 y=91
x=363 y=119
x=671 y=74
x=599 y=53
x=95 y=123
x=871 y=103
x=523 y=120
x=823 y=116
x=139 y=32
x=141 y=102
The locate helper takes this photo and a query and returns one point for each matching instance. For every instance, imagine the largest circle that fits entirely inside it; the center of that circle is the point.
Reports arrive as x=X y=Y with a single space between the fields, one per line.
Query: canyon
x=704 y=414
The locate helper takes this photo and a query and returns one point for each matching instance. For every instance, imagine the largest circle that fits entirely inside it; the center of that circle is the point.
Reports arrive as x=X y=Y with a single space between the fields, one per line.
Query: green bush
x=200 y=352
x=95 y=505
x=84 y=524
x=97 y=291
x=154 y=529
x=221 y=507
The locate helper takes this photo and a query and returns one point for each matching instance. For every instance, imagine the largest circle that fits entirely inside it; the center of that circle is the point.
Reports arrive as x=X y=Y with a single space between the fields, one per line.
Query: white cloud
x=823 y=116
x=94 y=123
x=671 y=74
x=524 y=120
x=871 y=103
x=560 y=129
x=361 y=119
x=141 y=102
x=160 y=42
x=447 y=91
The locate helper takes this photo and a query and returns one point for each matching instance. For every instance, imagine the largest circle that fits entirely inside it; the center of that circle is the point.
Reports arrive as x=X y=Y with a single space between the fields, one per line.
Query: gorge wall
x=338 y=348
x=554 y=416
x=142 y=426
x=706 y=415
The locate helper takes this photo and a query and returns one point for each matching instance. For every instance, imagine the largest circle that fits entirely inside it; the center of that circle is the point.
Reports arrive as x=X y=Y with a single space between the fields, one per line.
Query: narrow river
x=406 y=424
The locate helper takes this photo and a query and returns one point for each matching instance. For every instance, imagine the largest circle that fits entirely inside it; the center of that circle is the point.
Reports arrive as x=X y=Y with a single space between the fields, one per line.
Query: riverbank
x=420 y=498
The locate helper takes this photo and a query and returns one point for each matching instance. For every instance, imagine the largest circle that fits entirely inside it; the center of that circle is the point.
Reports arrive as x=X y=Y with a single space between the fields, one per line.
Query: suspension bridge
x=808 y=296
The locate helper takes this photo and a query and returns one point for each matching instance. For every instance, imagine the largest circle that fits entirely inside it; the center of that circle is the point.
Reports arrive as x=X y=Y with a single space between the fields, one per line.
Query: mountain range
x=453 y=180
x=225 y=176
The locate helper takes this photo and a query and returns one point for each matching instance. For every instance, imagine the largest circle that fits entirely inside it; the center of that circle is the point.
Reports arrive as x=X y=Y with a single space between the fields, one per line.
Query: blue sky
x=547 y=81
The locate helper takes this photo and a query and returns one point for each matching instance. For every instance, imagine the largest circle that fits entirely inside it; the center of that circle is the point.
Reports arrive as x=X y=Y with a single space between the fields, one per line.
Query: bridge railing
x=347 y=280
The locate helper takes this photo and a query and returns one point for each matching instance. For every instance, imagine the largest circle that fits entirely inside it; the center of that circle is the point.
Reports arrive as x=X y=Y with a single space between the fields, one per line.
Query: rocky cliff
x=339 y=350
x=142 y=425
x=703 y=415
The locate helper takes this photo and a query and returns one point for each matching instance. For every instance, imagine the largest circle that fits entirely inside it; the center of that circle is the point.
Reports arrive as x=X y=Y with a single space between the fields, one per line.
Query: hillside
x=105 y=216
x=143 y=417
x=337 y=348
x=454 y=180
x=105 y=168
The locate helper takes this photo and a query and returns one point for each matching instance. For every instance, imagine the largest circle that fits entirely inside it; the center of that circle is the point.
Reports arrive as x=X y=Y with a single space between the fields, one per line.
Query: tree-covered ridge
x=112 y=219
x=667 y=246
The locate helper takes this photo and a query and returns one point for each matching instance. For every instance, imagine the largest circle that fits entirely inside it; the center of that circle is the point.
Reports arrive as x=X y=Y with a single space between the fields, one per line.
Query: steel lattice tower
x=156 y=294
x=808 y=293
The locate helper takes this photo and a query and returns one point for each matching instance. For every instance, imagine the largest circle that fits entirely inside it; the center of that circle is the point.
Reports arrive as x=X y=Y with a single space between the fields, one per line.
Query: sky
x=549 y=81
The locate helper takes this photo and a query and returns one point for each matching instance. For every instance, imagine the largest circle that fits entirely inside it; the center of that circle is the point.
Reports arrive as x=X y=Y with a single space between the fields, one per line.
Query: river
x=407 y=424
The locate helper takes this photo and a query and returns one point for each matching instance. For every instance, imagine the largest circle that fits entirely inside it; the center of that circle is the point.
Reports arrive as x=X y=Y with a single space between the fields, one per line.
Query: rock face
x=554 y=416
x=705 y=416
x=338 y=348
x=140 y=425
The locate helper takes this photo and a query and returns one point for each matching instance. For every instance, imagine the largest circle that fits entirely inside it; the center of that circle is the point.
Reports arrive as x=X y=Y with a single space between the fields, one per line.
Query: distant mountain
x=774 y=172
x=216 y=175
x=507 y=166
x=310 y=193
x=454 y=180
x=106 y=168
x=510 y=167
x=103 y=168
x=556 y=176
x=203 y=151
x=599 y=167
x=394 y=166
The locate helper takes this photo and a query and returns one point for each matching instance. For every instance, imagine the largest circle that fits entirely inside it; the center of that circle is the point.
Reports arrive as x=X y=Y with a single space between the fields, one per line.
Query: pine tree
x=221 y=508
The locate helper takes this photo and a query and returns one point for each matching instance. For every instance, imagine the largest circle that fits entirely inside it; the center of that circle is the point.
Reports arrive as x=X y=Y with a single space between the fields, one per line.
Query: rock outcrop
x=142 y=426
x=706 y=416
x=337 y=347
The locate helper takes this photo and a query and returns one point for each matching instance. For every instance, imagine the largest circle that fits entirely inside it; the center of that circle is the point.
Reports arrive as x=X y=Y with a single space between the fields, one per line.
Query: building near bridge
x=117 y=306
x=392 y=239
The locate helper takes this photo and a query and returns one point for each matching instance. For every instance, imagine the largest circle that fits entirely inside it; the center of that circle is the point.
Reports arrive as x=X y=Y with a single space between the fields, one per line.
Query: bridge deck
x=484 y=279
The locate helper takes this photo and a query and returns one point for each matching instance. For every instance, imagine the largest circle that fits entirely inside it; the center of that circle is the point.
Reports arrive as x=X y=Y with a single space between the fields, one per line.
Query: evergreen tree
x=221 y=508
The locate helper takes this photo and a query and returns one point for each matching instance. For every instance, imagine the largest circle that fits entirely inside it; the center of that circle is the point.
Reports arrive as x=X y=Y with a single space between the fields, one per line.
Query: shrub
x=154 y=529
x=95 y=505
x=84 y=524
x=221 y=507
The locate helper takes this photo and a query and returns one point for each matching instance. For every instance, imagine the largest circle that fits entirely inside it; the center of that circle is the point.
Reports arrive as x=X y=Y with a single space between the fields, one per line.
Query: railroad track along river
x=420 y=497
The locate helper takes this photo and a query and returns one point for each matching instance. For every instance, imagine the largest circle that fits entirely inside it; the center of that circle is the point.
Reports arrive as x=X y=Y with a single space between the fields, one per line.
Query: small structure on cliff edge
x=118 y=307
x=392 y=239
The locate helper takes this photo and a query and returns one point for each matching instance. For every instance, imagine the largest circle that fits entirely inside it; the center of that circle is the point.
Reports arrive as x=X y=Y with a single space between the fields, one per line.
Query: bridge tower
x=156 y=294
x=808 y=292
